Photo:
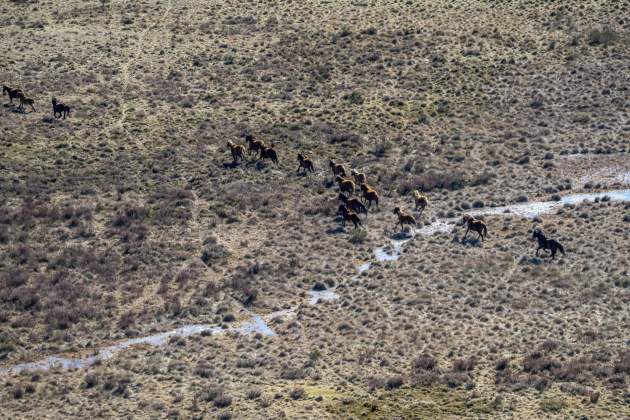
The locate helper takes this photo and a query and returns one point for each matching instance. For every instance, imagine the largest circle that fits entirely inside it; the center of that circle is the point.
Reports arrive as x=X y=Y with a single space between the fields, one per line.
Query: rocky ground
x=128 y=218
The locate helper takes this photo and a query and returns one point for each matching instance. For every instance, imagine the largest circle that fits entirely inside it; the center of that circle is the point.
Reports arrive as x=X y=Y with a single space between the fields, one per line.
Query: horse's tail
x=561 y=248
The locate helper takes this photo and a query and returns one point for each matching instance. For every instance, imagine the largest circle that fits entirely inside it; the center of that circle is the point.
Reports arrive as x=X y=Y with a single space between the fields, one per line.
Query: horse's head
x=249 y=138
x=537 y=234
x=4 y=89
x=396 y=210
x=343 y=210
x=300 y=157
x=466 y=218
x=54 y=101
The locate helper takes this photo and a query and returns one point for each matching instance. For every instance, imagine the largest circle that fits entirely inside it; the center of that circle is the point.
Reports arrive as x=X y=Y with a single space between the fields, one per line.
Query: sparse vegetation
x=131 y=217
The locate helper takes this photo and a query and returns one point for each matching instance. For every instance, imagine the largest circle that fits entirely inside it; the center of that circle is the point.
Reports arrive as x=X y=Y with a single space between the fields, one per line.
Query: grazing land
x=130 y=216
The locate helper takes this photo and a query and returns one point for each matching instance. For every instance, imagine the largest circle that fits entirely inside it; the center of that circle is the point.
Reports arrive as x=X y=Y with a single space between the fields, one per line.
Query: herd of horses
x=351 y=207
x=59 y=108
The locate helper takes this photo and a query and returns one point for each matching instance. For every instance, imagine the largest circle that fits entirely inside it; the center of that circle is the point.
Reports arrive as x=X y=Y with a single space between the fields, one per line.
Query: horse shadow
x=230 y=165
x=468 y=241
x=336 y=230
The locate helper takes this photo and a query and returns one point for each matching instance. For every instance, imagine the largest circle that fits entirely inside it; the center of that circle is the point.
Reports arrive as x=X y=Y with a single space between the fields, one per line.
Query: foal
x=404 y=218
x=12 y=92
x=547 y=244
x=476 y=225
x=305 y=163
x=348 y=216
x=26 y=101
x=60 y=108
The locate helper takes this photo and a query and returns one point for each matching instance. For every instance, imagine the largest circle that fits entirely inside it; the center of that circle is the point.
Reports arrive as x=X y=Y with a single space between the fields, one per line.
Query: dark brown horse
x=336 y=168
x=545 y=244
x=12 y=92
x=305 y=163
x=353 y=204
x=476 y=225
x=269 y=153
x=254 y=145
x=349 y=216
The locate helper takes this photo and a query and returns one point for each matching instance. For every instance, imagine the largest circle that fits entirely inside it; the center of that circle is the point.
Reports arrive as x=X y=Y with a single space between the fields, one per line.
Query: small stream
x=527 y=210
x=256 y=325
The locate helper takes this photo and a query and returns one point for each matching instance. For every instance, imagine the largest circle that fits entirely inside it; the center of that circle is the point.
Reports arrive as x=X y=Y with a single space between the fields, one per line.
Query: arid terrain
x=129 y=218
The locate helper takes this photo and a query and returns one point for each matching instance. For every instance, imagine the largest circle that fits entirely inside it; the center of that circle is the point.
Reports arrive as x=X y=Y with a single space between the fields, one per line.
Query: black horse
x=547 y=244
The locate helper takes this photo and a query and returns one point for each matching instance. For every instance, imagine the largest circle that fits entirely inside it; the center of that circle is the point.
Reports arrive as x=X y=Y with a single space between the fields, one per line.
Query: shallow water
x=527 y=210
x=317 y=295
x=393 y=251
x=256 y=325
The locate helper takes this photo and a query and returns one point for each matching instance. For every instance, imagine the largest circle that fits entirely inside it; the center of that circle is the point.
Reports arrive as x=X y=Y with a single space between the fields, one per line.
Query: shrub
x=90 y=380
x=605 y=36
x=213 y=392
x=454 y=379
x=424 y=370
x=502 y=364
x=623 y=364
x=382 y=148
x=552 y=405
x=253 y=393
x=357 y=236
x=222 y=401
x=297 y=393
x=355 y=98
x=292 y=373
x=394 y=382
x=536 y=362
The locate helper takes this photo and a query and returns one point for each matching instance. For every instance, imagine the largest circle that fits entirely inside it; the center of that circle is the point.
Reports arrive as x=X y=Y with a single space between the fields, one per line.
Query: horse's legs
x=538 y=250
x=465 y=234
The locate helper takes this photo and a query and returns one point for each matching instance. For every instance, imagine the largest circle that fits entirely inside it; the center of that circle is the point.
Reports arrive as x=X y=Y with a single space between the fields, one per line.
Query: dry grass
x=129 y=218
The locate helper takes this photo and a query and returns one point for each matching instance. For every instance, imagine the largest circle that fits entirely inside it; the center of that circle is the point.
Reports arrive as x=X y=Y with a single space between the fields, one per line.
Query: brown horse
x=349 y=216
x=237 y=150
x=254 y=145
x=345 y=184
x=476 y=225
x=404 y=218
x=337 y=169
x=359 y=177
x=369 y=195
x=305 y=163
x=12 y=92
x=60 y=108
x=421 y=200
